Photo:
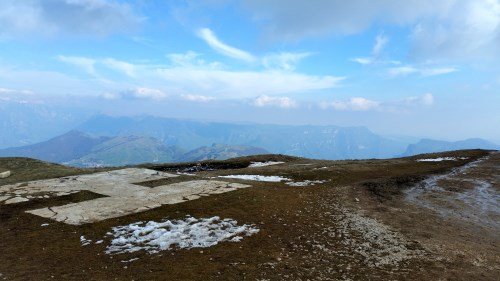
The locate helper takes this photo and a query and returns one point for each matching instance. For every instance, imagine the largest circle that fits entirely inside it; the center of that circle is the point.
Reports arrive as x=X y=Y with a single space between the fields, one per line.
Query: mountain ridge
x=80 y=149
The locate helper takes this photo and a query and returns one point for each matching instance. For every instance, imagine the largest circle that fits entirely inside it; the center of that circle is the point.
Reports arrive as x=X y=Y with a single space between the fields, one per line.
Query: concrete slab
x=124 y=196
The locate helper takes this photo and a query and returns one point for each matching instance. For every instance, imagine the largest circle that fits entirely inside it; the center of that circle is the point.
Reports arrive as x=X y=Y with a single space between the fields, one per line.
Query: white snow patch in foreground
x=439 y=159
x=185 y=234
x=306 y=183
x=263 y=164
x=85 y=241
x=257 y=178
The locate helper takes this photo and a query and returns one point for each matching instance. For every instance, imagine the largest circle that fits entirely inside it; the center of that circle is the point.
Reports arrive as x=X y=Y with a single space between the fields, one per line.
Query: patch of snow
x=44 y=224
x=257 y=178
x=439 y=159
x=130 y=260
x=185 y=174
x=263 y=164
x=85 y=241
x=99 y=242
x=306 y=183
x=188 y=233
x=321 y=168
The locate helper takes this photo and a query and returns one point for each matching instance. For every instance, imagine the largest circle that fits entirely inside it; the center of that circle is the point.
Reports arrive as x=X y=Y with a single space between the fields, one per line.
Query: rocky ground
x=389 y=219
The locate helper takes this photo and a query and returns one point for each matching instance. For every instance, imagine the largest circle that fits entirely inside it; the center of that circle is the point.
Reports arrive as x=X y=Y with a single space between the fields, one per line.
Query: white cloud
x=402 y=71
x=189 y=73
x=16 y=95
x=426 y=99
x=209 y=37
x=89 y=64
x=185 y=59
x=378 y=46
x=380 y=42
x=197 y=98
x=355 y=104
x=191 y=59
x=364 y=61
x=437 y=71
x=5 y=91
x=85 y=64
x=284 y=61
x=283 y=102
x=363 y=104
x=145 y=93
x=121 y=66
x=230 y=84
x=423 y=71
x=70 y=17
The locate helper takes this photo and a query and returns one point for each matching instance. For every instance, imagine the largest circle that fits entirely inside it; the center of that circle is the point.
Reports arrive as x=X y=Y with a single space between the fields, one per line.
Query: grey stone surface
x=123 y=195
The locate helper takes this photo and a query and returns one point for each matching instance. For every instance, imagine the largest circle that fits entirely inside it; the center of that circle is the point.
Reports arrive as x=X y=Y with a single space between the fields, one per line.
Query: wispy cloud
x=192 y=59
x=209 y=37
x=363 y=60
x=378 y=46
x=380 y=41
x=197 y=98
x=423 y=71
x=86 y=64
x=426 y=99
x=121 y=66
x=189 y=73
x=144 y=93
x=364 y=104
x=284 y=61
x=89 y=64
x=283 y=102
x=354 y=104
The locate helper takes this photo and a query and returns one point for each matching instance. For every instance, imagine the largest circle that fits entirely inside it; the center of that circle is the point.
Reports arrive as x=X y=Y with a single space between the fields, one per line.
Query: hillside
x=293 y=219
x=429 y=146
x=127 y=150
x=221 y=152
x=66 y=147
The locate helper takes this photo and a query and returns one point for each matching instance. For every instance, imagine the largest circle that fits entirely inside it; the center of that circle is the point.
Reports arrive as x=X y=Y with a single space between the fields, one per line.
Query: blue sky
x=421 y=69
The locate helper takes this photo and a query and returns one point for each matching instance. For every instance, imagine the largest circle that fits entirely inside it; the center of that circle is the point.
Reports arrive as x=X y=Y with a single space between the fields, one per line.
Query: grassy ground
x=26 y=169
x=300 y=234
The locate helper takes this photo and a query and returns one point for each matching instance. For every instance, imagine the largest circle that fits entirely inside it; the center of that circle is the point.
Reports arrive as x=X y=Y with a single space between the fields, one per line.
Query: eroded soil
x=366 y=220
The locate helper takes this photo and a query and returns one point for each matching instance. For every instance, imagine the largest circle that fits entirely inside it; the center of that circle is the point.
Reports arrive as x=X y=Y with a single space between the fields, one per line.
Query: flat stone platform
x=123 y=194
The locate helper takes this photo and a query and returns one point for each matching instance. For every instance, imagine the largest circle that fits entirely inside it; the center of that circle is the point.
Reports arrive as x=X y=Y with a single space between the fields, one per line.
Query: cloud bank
x=66 y=17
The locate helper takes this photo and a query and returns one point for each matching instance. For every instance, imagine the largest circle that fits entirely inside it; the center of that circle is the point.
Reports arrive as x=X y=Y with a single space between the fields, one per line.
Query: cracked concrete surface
x=123 y=195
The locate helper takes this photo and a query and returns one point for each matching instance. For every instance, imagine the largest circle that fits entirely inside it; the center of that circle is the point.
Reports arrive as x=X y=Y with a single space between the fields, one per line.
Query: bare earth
x=396 y=219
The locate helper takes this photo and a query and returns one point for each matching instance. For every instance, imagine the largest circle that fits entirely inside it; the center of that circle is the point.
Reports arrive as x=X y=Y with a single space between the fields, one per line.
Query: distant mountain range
x=320 y=142
x=429 y=146
x=23 y=123
x=80 y=149
x=111 y=141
